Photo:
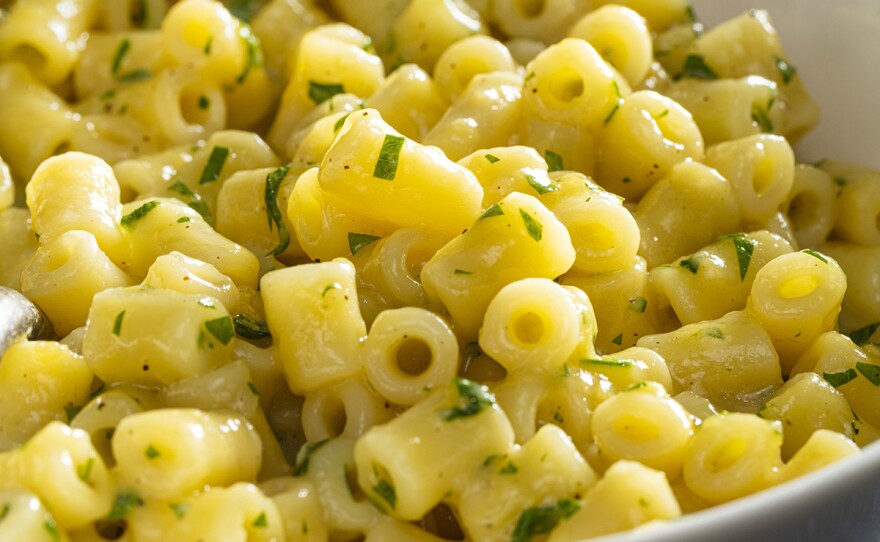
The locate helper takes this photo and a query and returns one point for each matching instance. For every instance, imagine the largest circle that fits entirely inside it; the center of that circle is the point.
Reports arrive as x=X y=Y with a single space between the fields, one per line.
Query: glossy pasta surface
x=418 y=270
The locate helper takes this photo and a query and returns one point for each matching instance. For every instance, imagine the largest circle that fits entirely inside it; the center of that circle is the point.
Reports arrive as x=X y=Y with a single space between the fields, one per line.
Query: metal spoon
x=20 y=317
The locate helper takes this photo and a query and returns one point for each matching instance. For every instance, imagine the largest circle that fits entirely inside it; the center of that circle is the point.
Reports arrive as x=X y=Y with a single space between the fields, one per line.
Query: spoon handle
x=20 y=317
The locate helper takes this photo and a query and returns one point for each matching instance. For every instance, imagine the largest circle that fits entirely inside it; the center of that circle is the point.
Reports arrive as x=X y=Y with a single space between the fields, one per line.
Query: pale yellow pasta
x=621 y=36
x=409 y=352
x=630 y=368
x=628 y=495
x=732 y=455
x=821 y=449
x=481 y=117
x=153 y=451
x=312 y=312
x=515 y=238
x=715 y=280
x=644 y=425
x=569 y=83
x=7 y=187
x=62 y=468
x=344 y=409
x=98 y=76
x=19 y=242
x=425 y=28
x=458 y=427
x=299 y=508
x=131 y=14
x=102 y=414
x=183 y=105
x=730 y=361
x=280 y=25
x=858 y=191
x=111 y=136
x=805 y=404
x=659 y=14
x=810 y=206
x=46 y=36
x=374 y=19
x=26 y=518
x=641 y=140
x=544 y=21
x=502 y=170
x=575 y=145
x=27 y=404
x=696 y=405
x=391 y=529
x=175 y=271
x=467 y=58
x=795 y=298
x=131 y=331
x=861 y=302
x=410 y=101
x=224 y=388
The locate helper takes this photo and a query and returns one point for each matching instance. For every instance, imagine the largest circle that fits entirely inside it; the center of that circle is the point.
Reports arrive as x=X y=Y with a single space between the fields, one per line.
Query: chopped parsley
x=208 y=46
x=509 y=468
x=273 y=213
x=695 y=67
x=540 y=520
x=389 y=155
x=689 y=11
x=557 y=416
x=618 y=340
x=179 y=508
x=607 y=362
x=636 y=386
x=84 y=471
x=130 y=220
x=253 y=388
x=139 y=15
x=151 y=452
x=71 y=411
x=253 y=53
x=340 y=122
x=786 y=70
x=107 y=95
x=863 y=335
x=123 y=505
x=304 y=455
x=5 y=511
x=321 y=92
x=616 y=89
x=462 y=272
x=744 y=249
x=714 y=332
x=869 y=371
x=840 y=181
x=179 y=188
x=221 y=328
x=385 y=490
x=815 y=254
x=202 y=208
x=691 y=264
x=472 y=399
x=118 y=57
x=357 y=241
x=493 y=210
x=261 y=522
x=117 y=323
x=541 y=186
x=214 y=165
x=638 y=304
x=554 y=161
x=533 y=227
x=204 y=102
x=841 y=378
x=183 y=219
x=330 y=287
x=492 y=158
x=52 y=529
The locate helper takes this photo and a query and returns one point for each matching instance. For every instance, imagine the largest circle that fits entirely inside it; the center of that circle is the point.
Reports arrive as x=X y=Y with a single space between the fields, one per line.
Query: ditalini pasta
x=418 y=270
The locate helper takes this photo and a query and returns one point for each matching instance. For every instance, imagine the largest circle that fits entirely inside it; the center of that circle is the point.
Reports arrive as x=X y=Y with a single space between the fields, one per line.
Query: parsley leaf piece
x=121 y=50
x=52 y=528
x=786 y=70
x=5 y=511
x=607 y=362
x=202 y=208
x=214 y=165
x=695 y=67
x=249 y=328
x=221 y=328
x=616 y=88
x=541 y=186
x=554 y=161
x=493 y=210
x=123 y=505
x=744 y=249
x=183 y=219
x=761 y=117
x=815 y=254
x=151 y=452
x=357 y=241
x=540 y=520
x=329 y=287
x=509 y=468
x=243 y=9
x=636 y=386
x=533 y=227
x=204 y=102
x=841 y=378
x=473 y=398
x=253 y=52
x=638 y=304
x=71 y=411
x=385 y=490
x=130 y=220
x=321 y=92
x=117 y=323
x=134 y=76
x=618 y=340
x=869 y=371
x=304 y=455
x=179 y=188
x=492 y=158
x=273 y=213
x=261 y=522
x=84 y=471
x=340 y=122
x=691 y=264
x=863 y=335
x=715 y=333
x=462 y=272
x=253 y=389
x=179 y=508
x=389 y=155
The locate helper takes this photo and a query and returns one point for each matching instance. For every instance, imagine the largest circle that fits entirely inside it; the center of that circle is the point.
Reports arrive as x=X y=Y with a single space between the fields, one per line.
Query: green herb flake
x=117 y=323
x=689 y=11
x=509 y=468
x=761 y=117
x=863 y=335
x=533 y=227
x=151 y=452
x=815 y=254
x=662 y=114
x=261 y=522
x=643 y=502
x=179 y=508
x=139 y=16
x=541 y=520
x=273 y=213
x=208 y=46
x=714 y=332
x=616 y=89
x=331 y=287
x=183 y=219
x=636 y=386
x=71 y=411
x=389 y=155
x=121 y=51
x=253 y=389
x=84 y=471
x=695 y=67
x=340 y=122
x=638 y=304
x=622 y=363
x=5 y=511
x=221 y=328
x=541 y=186
x=204 y=102
x=321 y=92
x=529 y=76
x=492 y=158
x=357 y=241
x=244 y=9
x=462 y=272
x=840 y=181
x=786 y=70
x=52 y=529
x=841 y=378
x=691 y=264
x=123 y=505
x=253 y=52
x=557 y=416
x=214 y=165
x=744 y=249
x=107 y=95
x=472 y=399
x=385 y=490
x=869 y=371
x=202 y=208
x=304 y=455
x=554 y=161
x=179 y=188
x=130 y=220
x=618 y=340
x=493 y=210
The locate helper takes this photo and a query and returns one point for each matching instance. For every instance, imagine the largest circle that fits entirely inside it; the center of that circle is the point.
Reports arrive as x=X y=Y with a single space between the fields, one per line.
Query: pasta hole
x=414 y=356
x=111 y=530
x=725 y=456
x=529 y=8
x=62 y=148
x=799 y=286
x=804 y=209
x=193 y=108
x=635 y=429
x=30 y=56
x=566 y=85
x=333 y=416
x=763 y=178
x=528 y=328
x=351 y=479
x=595 y=239
x=441 y=522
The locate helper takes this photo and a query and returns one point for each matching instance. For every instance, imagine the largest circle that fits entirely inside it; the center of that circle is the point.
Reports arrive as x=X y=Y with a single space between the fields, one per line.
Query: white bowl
x=835 y=47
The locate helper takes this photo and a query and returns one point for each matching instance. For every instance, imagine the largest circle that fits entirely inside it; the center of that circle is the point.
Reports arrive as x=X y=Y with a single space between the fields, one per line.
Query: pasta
x=418 y=270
